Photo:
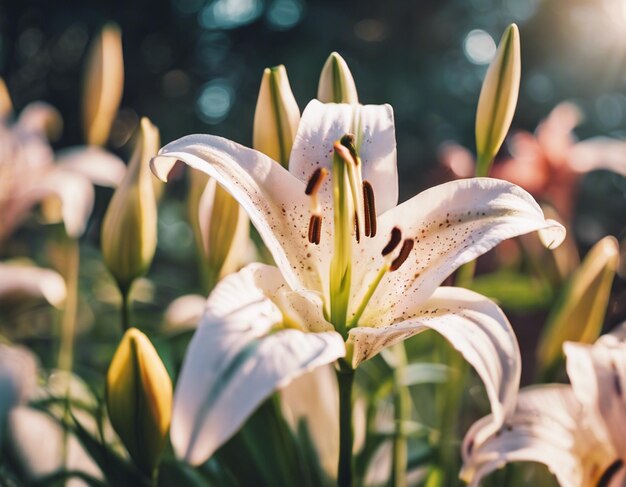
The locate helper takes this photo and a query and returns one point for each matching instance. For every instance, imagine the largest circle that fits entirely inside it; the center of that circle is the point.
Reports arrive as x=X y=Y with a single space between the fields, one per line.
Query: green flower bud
x=579 y=313
x=498 y=98
x=336 y=83
x=129 y=229
x=103 y=84
x=276 y=117
x=139 y=399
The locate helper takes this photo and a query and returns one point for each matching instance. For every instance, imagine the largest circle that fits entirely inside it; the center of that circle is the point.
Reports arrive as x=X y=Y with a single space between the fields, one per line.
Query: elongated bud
x=221 y=228
x=103 y=84
x=579 y=313
x=498 y=98
x=6 y=106
x=129 y=229
x=276 y=117
x=336 y=83
x=139 y=399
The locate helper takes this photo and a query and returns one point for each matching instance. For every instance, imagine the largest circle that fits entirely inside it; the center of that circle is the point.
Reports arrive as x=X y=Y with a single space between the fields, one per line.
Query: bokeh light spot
x=284 y=14
x=228 y=14
x=215 y=101
x=479 y=47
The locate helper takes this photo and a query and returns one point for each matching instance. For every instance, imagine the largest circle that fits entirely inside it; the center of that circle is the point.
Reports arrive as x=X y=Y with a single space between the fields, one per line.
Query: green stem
x=402 y=411
x=68 y=319
x=345 y=380
x=125 y=309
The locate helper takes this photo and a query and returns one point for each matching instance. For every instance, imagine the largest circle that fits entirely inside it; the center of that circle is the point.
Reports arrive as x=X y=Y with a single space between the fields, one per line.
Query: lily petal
x=599 y=153
x=313 y=398
x=25 y=280
x=273 y=198
x=474 y=325
x=97 y=165
x=598 y=376
x=322 y=124
x=27 y=427
x=237 y=358
x=548 y=428
x=451 y=224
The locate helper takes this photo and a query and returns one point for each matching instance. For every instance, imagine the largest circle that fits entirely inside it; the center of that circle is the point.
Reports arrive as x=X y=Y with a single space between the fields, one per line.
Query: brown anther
x=315 y=181
x=315 y=229
x=394 y=241
x=356 y=228
x=407 y=246
x=370 y=209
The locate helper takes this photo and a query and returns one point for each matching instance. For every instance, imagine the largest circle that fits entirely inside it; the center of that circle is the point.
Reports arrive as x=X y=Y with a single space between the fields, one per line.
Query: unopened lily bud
x=6 y=106
x=276 y=117
x=221 y=228
x=129 y=229
x=103 y=84
x=336 y=83
x=498 y=98
x=139 y=399
x=579 y=313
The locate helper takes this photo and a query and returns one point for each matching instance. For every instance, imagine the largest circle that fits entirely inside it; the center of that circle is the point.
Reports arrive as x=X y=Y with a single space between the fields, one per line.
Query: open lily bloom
x=356 y=272
x=578 y=431
x=30 y=172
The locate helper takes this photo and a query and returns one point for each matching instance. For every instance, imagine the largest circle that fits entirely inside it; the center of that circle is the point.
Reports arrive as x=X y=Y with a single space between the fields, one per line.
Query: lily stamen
x=315 y=229
x=407 y=246
x=312 y=189
x=369 y=206
x=390 y=264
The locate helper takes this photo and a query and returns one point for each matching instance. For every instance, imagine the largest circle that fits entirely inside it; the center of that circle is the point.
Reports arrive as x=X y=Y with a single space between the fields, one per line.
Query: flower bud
x=6 y=105
x=221 y=228
x=579 y=313
x=276 y=117
x=139 y=399
x=129 y=229
x=498 y=98
x=336 y=83
x=103 y=84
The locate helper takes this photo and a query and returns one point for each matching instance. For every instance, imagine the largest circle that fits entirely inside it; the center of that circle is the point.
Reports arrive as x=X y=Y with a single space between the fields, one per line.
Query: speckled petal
x=322 y=124
x=451 y=224
x=272 y=197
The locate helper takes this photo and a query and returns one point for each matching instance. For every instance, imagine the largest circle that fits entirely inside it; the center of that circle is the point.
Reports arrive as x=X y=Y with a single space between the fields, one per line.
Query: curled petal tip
x=552 y=235
x=161 y=165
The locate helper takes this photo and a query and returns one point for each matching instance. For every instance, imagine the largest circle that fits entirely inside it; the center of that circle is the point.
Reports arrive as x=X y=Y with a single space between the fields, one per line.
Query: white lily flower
x=30 y=172
x=577 y=431
x=357 y=273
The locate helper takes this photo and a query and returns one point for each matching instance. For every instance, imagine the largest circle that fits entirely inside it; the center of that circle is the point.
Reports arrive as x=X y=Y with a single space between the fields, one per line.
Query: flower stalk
x=345 y=380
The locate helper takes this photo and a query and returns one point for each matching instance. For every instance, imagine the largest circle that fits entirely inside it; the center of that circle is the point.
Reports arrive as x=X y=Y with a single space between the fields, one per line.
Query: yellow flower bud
x=579 y=313
x=6 y=106
x=276 y=117
x=336 y=83
x=129 y=229
x=139 y=399
x=498 y=98
x=221 y=228
x=103 y=84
